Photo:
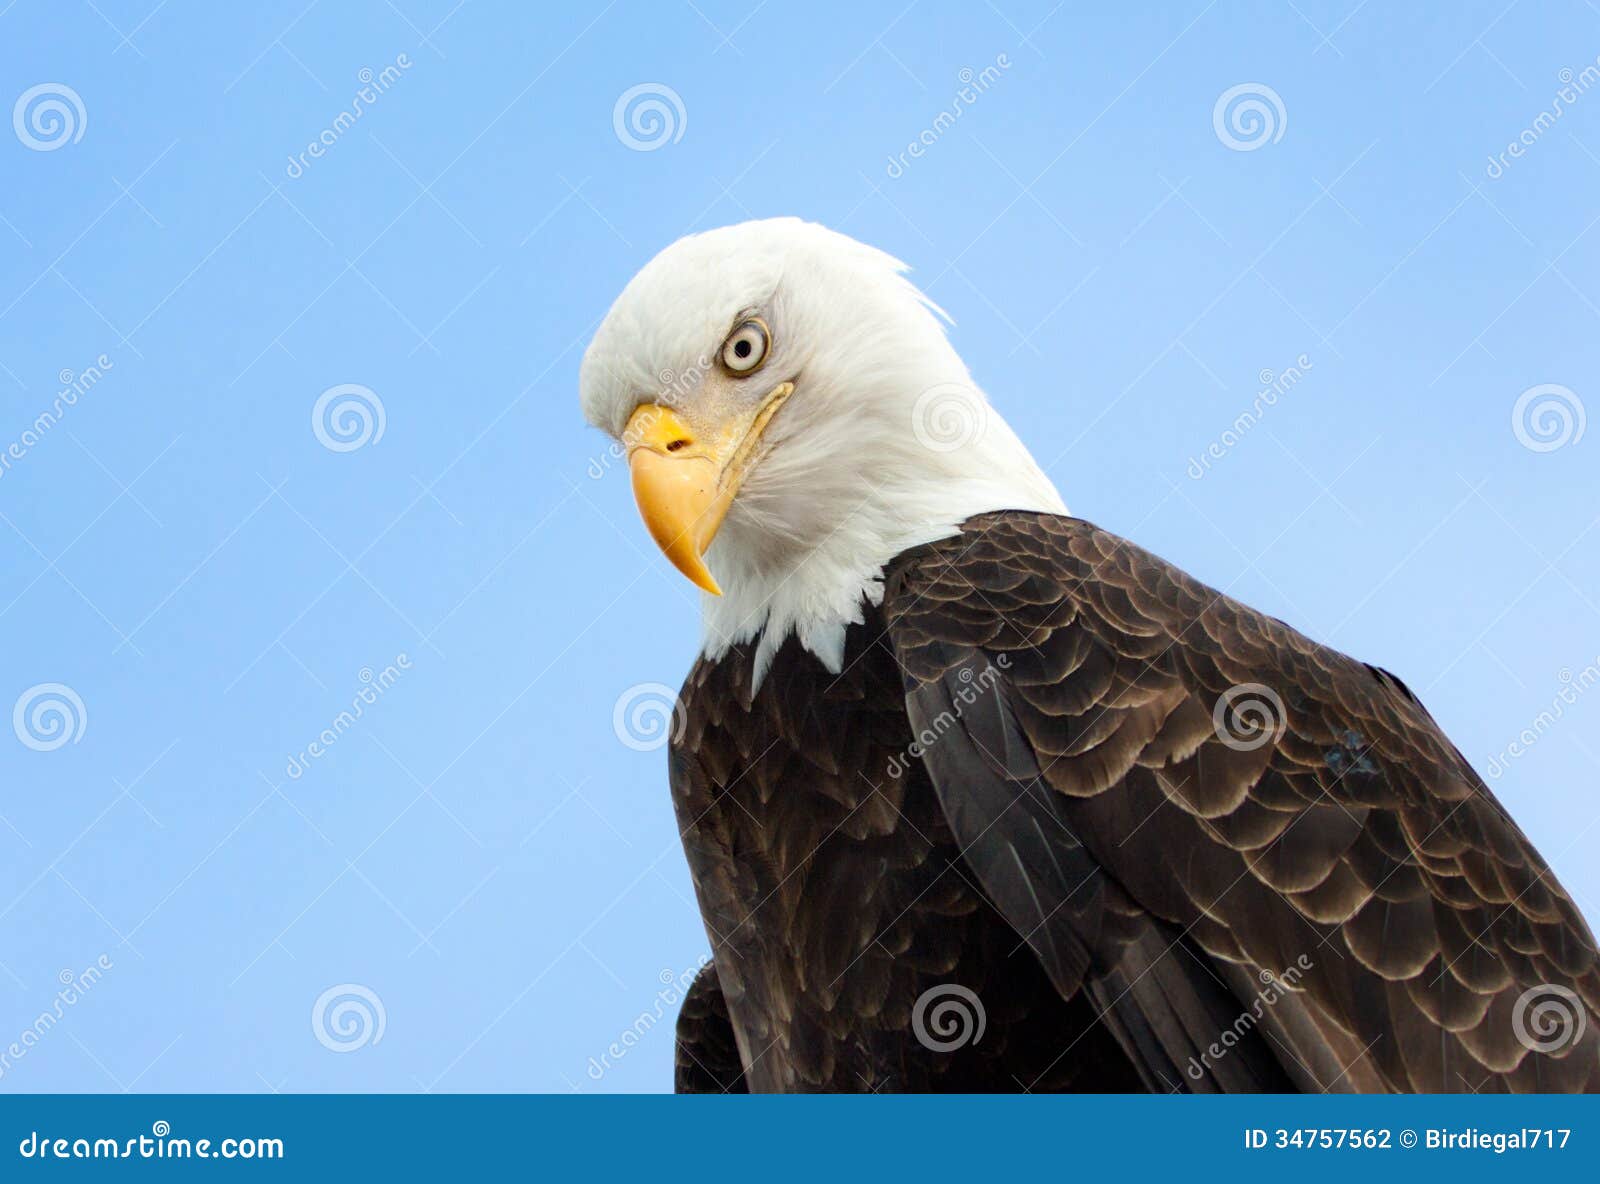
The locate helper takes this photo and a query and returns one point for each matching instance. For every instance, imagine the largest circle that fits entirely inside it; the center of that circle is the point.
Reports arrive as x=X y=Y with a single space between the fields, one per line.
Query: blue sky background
x=481 y=853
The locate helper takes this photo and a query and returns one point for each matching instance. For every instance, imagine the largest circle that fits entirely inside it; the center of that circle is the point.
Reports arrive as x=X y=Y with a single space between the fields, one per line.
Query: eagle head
x=794 y=416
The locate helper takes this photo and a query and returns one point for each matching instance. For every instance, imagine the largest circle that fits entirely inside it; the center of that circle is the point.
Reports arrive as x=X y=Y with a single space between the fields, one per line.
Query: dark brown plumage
x=1130 y=878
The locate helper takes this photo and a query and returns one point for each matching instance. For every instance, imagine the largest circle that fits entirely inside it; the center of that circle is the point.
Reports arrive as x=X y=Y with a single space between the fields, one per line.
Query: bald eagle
x=977 y=796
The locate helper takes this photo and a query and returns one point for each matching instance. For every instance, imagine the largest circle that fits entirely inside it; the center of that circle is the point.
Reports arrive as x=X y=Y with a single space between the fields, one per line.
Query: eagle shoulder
x=1292 y=812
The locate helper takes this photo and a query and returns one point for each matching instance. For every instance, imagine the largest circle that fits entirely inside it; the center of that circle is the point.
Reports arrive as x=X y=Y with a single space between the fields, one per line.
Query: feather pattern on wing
x=1281 y=806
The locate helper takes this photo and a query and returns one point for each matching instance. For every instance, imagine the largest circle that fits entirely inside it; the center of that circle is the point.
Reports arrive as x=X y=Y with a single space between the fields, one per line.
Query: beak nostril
x=675 y=445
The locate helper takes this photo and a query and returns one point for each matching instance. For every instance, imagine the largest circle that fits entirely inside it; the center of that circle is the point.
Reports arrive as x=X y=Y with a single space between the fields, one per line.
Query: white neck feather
x=816 y=524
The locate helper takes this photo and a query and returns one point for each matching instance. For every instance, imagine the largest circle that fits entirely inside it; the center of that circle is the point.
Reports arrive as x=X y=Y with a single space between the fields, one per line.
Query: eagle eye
x=746 y=347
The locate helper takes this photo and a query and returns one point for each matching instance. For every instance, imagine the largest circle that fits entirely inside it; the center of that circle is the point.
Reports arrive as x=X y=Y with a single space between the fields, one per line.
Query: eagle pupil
x=742 y=349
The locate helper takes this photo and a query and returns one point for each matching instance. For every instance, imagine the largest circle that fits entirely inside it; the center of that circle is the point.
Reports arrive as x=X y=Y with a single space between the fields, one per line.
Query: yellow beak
x=684 y=482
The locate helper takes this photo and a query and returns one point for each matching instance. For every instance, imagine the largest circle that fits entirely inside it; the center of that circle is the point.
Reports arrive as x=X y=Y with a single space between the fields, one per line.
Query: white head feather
x=886 y=443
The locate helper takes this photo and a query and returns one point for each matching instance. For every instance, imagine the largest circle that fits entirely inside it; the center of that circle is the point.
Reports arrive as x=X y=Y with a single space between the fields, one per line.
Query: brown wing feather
x=707 y=1053
x=1340 y=828
x=835 y=899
